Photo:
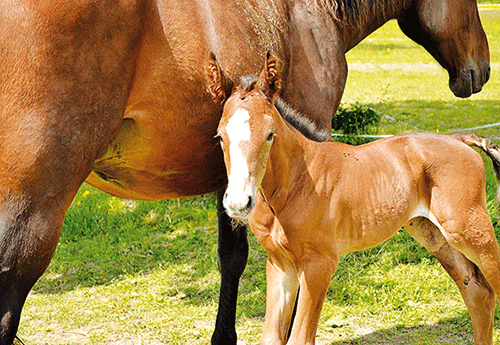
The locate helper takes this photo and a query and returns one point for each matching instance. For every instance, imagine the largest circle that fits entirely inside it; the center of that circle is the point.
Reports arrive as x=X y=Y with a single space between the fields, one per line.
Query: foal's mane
x=354 y=12
x=290 y=115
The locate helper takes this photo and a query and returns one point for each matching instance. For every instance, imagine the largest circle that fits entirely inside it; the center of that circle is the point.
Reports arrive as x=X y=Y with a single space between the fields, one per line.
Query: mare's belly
x=161 y=157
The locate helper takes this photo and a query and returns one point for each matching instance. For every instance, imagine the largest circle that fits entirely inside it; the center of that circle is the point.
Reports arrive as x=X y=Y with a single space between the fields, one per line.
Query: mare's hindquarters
x=62 y=97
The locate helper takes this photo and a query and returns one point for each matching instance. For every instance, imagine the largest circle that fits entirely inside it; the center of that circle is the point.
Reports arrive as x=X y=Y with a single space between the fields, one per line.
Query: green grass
x=138 y=272
x=146 y=272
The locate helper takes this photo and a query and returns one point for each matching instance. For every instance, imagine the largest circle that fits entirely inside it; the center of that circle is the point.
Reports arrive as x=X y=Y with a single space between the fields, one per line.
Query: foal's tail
x=489 y=147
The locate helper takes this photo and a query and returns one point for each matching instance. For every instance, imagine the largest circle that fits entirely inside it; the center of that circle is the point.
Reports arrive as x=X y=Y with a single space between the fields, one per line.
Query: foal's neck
x=286 y=163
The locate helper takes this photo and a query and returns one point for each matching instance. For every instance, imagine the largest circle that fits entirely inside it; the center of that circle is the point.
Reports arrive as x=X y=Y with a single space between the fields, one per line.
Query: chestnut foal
x=309 y=202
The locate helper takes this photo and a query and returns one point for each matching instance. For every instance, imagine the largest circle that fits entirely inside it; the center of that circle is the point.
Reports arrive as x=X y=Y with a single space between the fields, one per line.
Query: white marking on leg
x=287 y=287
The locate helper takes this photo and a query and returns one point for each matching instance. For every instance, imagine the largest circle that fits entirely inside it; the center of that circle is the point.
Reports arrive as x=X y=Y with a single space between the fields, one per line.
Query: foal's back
x=411 y=156
x=378 y=187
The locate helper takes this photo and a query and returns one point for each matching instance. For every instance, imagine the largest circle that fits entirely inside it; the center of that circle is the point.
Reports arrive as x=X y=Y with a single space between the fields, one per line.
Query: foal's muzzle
x=238 y=207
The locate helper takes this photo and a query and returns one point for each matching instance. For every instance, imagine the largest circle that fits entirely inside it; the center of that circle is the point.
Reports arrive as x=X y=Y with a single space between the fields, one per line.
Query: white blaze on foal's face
x=241 y=188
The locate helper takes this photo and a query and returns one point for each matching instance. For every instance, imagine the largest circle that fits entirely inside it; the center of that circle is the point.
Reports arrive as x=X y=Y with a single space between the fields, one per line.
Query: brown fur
x=314 y=202
x=355 y=12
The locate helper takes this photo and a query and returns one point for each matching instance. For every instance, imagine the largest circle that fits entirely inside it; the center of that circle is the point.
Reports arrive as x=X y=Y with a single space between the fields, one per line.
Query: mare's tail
x=489 y=147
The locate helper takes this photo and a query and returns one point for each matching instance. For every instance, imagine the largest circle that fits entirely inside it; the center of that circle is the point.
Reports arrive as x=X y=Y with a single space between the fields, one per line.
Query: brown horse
x=113 y=91
x=310 y=202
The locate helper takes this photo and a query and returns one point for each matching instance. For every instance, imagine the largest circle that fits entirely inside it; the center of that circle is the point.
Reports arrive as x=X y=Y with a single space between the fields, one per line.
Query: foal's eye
x=270 y=137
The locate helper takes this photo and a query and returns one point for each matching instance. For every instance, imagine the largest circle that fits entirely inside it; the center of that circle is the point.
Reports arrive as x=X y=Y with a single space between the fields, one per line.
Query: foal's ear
x=218 y=84
x=269 y=82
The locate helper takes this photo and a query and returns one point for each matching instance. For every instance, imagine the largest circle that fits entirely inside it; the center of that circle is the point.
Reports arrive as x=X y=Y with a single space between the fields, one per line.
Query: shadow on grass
x=450 y=331
x=106 y=239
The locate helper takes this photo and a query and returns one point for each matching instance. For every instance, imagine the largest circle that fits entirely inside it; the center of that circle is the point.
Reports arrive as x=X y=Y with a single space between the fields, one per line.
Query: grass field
x=146 y=272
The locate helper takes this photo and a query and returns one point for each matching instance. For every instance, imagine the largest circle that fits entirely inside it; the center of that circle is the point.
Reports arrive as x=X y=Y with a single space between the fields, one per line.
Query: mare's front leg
x=233 y=255
x=315 y=274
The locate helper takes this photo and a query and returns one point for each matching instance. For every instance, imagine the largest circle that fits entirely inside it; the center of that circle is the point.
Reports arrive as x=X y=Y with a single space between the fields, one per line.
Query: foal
x=309 y=202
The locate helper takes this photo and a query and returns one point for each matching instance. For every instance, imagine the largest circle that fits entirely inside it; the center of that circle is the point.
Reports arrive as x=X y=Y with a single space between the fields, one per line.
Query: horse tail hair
x=488 y=147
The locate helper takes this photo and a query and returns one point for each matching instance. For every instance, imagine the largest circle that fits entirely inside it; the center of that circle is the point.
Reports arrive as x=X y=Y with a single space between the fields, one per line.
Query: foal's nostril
x=249 y=203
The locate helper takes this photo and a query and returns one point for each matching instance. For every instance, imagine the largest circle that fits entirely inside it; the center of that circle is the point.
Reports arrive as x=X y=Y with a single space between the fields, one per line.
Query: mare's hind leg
x=34 y=196
x=233 y=254
x=476 y=291
x=29 y=232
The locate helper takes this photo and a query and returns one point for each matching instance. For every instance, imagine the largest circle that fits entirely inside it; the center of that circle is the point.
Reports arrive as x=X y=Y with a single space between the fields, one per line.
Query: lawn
x=130 y=272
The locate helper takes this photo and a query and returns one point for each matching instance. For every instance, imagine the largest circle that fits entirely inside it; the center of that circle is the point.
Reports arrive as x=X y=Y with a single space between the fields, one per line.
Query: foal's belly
x=363 y=236
x=376 y=210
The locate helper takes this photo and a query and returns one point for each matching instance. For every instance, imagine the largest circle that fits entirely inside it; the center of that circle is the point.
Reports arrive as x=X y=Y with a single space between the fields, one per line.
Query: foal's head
x=246 y=132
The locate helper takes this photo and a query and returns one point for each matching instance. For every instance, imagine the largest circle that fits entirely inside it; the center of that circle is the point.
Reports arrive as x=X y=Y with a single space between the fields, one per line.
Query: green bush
x=354 y=120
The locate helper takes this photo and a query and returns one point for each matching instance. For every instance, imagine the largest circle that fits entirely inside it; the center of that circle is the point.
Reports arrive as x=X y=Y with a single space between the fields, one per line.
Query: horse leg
x=233 y=255
x=29 y=232
x=34 y=198
x=282 y=287
x=315 y=275
x=479 y=244
x=475 y=289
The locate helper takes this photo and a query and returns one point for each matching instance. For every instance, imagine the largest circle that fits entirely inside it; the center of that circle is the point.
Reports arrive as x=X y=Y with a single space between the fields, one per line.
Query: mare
x=113 y=92
x=310 y=202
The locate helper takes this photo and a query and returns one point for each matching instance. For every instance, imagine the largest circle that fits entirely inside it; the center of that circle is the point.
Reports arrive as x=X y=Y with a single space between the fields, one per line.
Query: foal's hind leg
x=475 y=289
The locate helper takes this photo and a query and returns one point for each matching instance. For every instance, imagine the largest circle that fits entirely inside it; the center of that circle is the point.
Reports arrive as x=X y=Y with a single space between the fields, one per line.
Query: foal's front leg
x=282 y=287
x=315 y=275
